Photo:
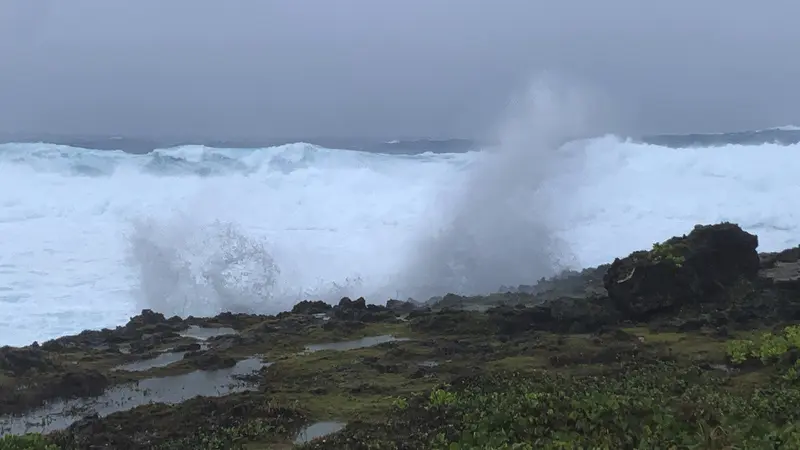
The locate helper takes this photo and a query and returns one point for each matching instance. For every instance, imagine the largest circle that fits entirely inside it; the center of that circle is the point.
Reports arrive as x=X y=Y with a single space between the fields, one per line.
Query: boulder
x=686 y=270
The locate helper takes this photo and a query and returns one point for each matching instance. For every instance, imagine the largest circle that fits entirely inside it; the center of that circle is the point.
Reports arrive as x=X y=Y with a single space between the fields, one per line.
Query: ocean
x=91 y=234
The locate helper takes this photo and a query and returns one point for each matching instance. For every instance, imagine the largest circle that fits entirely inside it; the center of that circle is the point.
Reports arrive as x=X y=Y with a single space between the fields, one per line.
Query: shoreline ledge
x=695 y=341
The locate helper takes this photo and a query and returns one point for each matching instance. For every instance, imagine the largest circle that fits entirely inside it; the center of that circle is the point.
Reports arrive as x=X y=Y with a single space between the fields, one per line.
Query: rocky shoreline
x=690 y=343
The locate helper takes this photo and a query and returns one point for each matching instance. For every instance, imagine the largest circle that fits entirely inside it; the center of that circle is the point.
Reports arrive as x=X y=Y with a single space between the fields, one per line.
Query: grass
x=661 y=405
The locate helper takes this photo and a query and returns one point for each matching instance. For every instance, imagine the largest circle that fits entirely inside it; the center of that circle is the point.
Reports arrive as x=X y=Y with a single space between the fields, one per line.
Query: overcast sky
x=437 y=68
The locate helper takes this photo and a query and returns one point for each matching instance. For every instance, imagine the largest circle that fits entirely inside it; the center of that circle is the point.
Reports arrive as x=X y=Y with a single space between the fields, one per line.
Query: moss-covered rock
x=685 y=270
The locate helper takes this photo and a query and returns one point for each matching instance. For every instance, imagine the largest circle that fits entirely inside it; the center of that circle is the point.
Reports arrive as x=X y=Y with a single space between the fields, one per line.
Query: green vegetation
x=768 y=347
x=32 y=441
x=667 y=252
x=660 y=405
x=225 y=438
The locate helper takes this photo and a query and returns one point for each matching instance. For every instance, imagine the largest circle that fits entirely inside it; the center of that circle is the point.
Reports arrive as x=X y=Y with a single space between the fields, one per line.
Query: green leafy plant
x=665 y=252
x=740 y=350
x=768 y=347
x=400 y=403
x=440 y=397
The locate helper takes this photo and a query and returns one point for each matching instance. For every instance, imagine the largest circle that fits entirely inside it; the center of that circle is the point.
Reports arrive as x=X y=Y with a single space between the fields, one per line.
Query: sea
x=95 y=229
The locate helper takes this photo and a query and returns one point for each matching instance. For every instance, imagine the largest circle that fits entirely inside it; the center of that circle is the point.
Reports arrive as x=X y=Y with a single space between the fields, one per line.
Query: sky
x=372 y=68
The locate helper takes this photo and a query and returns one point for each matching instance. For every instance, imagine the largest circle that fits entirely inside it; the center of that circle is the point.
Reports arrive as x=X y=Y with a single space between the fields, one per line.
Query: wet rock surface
x=256 y=381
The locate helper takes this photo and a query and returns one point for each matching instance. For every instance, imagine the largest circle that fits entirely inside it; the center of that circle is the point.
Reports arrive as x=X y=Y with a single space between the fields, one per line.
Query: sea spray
x=185 y=267
x=499 y=227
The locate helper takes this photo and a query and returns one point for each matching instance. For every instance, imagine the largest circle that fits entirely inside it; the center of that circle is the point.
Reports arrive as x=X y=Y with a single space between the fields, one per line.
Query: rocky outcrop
x=402 y=306
x=687 y=270
x=782 y=270
x=311 y=307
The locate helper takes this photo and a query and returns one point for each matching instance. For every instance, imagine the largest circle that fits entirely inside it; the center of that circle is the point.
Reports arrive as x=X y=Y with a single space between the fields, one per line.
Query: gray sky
x=438 y=68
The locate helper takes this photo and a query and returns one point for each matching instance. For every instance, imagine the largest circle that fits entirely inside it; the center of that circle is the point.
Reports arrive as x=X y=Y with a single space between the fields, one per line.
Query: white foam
x=327 y=218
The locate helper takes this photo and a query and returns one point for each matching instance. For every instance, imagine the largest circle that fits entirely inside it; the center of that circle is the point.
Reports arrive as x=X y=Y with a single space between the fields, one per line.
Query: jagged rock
x=685 y=270
x=346 y=303
x=358 y=311
x=147 y=317
x=311 y=307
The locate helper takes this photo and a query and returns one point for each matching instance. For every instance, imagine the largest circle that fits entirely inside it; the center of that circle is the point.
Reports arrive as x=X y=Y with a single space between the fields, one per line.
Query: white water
x=88 y=238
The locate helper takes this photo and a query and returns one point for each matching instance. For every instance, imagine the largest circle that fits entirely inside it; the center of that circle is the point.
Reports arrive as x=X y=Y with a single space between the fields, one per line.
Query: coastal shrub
x=644 y=409
x=31 y=441
x=740 y=350
x=768 y=347
x=660 y=405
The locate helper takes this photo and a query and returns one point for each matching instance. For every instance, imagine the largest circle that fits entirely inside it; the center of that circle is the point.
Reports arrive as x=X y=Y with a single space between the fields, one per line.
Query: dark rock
x=783 y=272
x=209 y=360
x=692 y=324
x=769 y=260
x=19 y=361
x=309 y=307
x=400 y=306
x=346 y=303
x=450 y=301
x=262 y=330
x=345 y=326
x=359 y=311
x=78 y=384
x=229 y=341
x=147 y=317
x=454 y=322
x=418 y=313
x=237 y=321
x=695 y=269
x=190 y=347
x=574 y=315
x=175 y=320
